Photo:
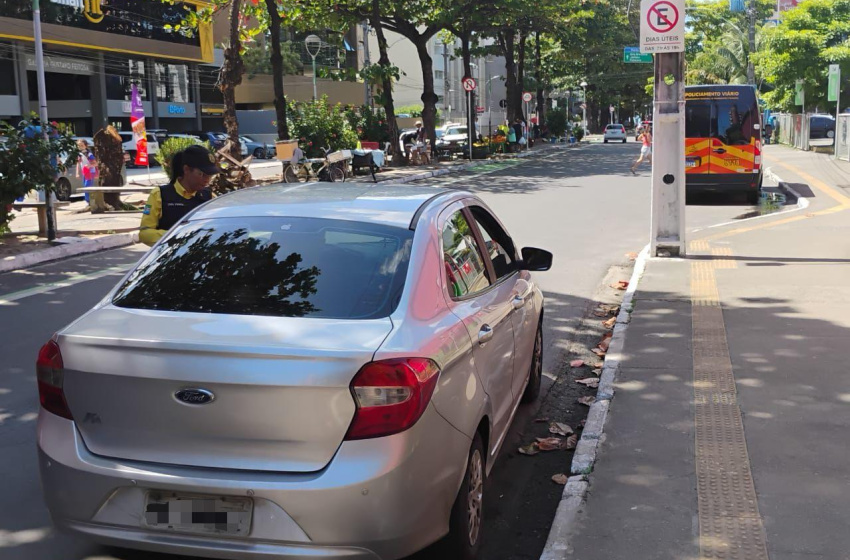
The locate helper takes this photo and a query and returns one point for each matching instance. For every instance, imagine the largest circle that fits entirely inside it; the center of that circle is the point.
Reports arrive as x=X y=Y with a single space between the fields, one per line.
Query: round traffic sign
x=662 y=16
x=468 y=84
x=527 y=97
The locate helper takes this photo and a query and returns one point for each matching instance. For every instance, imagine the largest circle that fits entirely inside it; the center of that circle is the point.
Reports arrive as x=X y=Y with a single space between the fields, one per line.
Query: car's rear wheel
x=63 y=189
x=532 y=390
x=605 y=140
x=464 y=539
x=259 y=154
x=624 y=140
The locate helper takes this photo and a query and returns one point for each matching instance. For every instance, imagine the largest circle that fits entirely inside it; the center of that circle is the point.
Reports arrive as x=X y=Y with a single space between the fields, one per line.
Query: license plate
x=186 y=513
x=690 y=163
x=732 y=161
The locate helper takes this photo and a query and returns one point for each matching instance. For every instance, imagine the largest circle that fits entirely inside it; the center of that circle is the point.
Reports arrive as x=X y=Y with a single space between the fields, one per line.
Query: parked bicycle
x=329 y=168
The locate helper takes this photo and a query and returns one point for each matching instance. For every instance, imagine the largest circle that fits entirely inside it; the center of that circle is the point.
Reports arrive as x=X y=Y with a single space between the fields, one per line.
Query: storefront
x=95 y=51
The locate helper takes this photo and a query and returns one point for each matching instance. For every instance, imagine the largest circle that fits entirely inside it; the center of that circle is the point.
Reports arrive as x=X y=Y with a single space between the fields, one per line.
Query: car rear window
x=735 y=119
x=282 y=267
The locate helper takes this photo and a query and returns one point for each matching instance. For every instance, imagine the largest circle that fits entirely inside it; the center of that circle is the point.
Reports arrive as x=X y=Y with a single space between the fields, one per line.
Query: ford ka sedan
x=313 y=371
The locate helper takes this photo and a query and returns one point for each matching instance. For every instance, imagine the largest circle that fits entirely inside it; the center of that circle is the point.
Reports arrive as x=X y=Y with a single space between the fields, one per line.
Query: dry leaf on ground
x=550 y=444
x=592 y=382
x=577 y=363
x=540 y=420
x=530 y=449
x=631 y=256
x=621 y=285
x=599 y=313
x=559 y=478
x=599 y=352
x=587 y=401
x=597 y=371
x=605 y=342
x=609 y=324
x=560 y=429
x=572 y=441
x=597 y=365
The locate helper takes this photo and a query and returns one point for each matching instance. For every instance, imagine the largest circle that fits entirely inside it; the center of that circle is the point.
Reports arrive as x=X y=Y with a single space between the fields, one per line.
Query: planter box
x=480 y=153
x=285 y=148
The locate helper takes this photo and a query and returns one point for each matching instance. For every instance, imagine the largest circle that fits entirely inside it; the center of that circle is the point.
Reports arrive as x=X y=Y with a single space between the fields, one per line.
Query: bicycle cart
x=329 y=168
x=364 y=159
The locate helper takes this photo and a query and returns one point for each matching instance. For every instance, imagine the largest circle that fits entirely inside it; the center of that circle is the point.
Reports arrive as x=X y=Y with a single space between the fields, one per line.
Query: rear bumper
x=722 y=182
x=378 y=499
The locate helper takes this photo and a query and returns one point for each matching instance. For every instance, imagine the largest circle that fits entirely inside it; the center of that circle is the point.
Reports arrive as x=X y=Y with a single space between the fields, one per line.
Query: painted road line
x=6 y=299
x=839 y=197
x=730 y=524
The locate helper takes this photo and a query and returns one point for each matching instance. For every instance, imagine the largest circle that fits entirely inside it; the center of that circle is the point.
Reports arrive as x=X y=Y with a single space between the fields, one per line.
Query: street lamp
x=584 y=107
x=490 y=106
x=314 y=45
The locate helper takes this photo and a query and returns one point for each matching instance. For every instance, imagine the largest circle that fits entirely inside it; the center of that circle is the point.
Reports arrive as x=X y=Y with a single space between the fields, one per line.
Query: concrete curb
x=802 y=202
x=64 y=251
x=575 y=491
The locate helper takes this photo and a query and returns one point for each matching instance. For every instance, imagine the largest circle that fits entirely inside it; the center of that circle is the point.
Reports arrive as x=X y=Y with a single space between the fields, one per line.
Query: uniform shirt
x=148 y=232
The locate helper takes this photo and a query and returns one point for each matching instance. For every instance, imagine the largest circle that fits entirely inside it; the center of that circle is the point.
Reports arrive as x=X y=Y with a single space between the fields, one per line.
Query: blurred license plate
x=690 y=163
x=198 y=514
x=732 y=161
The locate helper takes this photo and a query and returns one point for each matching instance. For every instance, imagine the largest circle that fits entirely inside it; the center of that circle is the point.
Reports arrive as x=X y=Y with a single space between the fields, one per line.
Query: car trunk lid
x=280 y=386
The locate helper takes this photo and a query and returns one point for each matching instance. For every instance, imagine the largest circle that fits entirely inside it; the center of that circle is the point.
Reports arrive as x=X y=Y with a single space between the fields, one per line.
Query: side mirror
x=536 y=259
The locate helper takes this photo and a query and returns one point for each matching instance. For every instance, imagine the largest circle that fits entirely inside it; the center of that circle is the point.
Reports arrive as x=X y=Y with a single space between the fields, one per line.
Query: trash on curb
x=587 y=401
x=559 y=478
x=592 y=382
x=560 y=429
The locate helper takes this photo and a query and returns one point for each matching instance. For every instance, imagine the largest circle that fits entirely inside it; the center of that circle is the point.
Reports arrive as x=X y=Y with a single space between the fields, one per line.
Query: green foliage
x=29 y=162
x=557 y=122
x=578 y=132
x=810 y=37
x=257 y=59
x=173 y=145
x=318 y=125
x=414 y=111
x=368 y=123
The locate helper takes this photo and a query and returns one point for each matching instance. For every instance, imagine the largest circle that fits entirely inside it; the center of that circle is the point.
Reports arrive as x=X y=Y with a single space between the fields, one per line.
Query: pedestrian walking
x=191 y=172
x=645 y=137
x=86 y=166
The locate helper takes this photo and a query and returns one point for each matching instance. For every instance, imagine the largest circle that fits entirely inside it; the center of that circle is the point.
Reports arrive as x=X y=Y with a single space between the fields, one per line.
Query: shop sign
x=61 y=65
x=176 y=110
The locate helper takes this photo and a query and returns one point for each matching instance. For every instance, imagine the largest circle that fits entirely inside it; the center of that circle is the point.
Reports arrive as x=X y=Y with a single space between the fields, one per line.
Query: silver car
x=316 y=371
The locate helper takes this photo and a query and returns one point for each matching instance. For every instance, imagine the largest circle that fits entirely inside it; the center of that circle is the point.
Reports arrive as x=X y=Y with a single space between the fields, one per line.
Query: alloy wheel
x=476 y=495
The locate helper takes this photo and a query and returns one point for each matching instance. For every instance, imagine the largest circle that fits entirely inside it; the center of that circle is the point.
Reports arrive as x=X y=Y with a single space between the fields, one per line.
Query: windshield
x=456 y=130
x=283 y=267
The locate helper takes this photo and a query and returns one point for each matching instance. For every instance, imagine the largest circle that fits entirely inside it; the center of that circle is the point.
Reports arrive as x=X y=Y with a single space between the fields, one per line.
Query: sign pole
x=42 y=109
x=470 y=125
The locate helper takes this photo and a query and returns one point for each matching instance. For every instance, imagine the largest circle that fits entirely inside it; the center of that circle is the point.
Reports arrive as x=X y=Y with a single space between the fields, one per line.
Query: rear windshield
x=282 y=267
x=735 y=119
x=697 y=119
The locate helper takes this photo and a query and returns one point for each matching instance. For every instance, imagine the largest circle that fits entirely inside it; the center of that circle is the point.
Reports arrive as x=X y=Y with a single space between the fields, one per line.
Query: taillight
x=50 y=372
x=391 y=396
x=757 y=156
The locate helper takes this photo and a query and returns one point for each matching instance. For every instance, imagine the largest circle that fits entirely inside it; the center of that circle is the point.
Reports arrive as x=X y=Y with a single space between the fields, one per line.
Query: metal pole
x=366 y=62
x=315 y=94
x=751 y=72
x=668 y=161
x=584 y=110
x=446 y=100
x=490 y=107
x=470 y=125
x=42 y=107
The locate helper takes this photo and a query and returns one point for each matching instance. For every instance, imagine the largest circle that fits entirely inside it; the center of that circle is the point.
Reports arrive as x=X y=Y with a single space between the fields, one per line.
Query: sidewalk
x=727 y=433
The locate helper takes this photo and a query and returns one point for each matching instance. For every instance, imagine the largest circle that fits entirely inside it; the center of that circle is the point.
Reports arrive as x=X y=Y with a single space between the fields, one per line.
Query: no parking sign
x=662 y=26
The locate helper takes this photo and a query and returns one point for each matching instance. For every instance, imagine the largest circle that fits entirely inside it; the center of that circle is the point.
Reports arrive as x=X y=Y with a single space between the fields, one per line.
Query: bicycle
x=331 y=168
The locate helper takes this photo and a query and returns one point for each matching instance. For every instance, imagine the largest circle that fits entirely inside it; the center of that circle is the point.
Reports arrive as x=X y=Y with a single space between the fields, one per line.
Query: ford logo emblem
x=194 y=396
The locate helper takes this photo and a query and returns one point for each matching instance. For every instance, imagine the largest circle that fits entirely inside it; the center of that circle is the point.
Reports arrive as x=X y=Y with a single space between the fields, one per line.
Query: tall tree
x=231 y=76
x=275 y=22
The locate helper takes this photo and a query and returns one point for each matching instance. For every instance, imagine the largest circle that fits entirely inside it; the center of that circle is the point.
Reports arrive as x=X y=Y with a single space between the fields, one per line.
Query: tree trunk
x=109 y=153
x=429 y=98
x=277 y=71
x=506 y=42
x=399 y=157
x=229 y=77
x=520 y=77
x=541 y=100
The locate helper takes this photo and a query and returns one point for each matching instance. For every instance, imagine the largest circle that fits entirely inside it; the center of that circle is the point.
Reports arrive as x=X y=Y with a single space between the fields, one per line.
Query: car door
x=484 y=308
x=516 y=285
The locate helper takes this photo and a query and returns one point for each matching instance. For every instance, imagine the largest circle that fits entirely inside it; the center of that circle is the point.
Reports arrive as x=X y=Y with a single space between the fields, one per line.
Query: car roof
x=394 y=205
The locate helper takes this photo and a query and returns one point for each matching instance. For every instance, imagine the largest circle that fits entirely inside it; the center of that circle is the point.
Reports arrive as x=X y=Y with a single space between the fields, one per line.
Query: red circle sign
x=527 y=97
x=664 y=21
x=468 y=84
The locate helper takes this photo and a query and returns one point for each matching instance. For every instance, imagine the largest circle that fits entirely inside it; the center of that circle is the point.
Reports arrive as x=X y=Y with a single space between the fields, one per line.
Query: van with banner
x=723 y=140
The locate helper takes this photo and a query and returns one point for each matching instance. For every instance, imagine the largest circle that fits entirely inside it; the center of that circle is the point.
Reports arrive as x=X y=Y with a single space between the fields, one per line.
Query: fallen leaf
x=609 y=324
x=559 y=429
x=601 y=313
x=576 y=363
x=572 y=441
x=540 y=420
x=587 y=401
x=599 y=352
x=592 y=382
x=559 y=478
x=621 y=285
x=530 y=449
x=597 y=365
x=631 y=256
x=605 y=342
x=550 y=444
x=597 y=371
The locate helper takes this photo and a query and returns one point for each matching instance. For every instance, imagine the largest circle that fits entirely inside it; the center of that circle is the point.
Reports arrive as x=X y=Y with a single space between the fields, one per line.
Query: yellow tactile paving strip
x=730 y=525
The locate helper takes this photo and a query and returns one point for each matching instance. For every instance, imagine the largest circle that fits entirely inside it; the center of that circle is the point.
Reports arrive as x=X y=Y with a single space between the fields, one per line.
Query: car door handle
x=719 y=151
x=518 y=302
x=485 y=335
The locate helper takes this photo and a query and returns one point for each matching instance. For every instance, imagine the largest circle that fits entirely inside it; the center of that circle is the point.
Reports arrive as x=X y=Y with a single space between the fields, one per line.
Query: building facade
x=95 y=50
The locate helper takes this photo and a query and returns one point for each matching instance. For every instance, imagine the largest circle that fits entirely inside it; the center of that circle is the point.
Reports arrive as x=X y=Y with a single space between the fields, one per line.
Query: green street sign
x=633 y=55
x=834 y=83
x=798 y=92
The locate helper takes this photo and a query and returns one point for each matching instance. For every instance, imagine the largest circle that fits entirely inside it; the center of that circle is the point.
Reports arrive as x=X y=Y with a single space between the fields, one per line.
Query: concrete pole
x=366 y=62
x=42 y=107
x=668 y=161
x=446 y=100
x=751 y=72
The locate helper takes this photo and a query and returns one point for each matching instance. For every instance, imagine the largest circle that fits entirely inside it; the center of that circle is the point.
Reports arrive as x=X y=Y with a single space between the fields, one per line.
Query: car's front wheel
x=259 y=154
x=464 y=539
x=63 y=189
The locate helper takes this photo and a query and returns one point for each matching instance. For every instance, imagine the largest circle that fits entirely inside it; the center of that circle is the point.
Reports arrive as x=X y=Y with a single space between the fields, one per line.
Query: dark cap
x=199 y=157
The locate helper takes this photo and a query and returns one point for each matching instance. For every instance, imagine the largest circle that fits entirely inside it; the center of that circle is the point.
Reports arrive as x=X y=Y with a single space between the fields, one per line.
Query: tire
x=624 y=140
x=464 y=539
x=336 y=174
x=259 y=153
x=372 y=168
x=290 y=175
x=606 y=140
x=753 y=197
x=63 y=189
x=532 y=390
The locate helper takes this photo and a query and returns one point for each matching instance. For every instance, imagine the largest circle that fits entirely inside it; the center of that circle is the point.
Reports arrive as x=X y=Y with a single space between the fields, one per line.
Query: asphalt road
x=582 y=204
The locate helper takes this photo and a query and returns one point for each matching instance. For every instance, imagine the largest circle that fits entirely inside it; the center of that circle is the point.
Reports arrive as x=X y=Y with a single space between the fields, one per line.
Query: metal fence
x=842 y=137
x=794 y=130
